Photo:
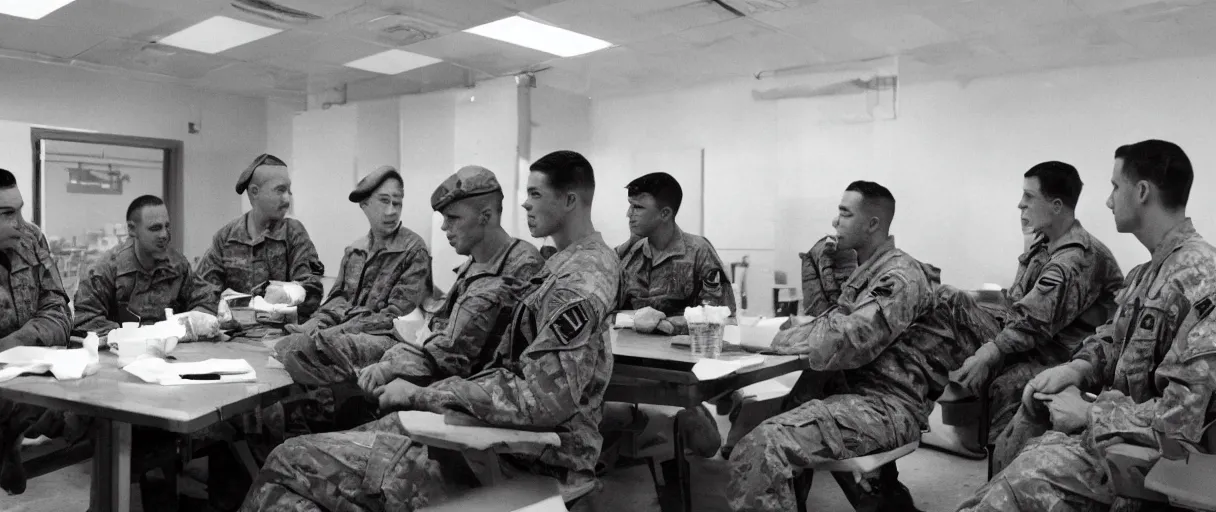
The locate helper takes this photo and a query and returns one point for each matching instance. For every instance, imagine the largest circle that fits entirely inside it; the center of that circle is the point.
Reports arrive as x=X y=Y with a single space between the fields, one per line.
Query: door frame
x=172 y=177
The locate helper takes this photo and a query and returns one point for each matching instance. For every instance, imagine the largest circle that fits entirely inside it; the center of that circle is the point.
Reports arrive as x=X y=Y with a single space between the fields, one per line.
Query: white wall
x=954 y=158
x=560 y=121
x=233 y=131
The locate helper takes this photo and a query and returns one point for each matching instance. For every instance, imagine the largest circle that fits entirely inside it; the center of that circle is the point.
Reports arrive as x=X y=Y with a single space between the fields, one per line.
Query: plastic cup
x=706 y=339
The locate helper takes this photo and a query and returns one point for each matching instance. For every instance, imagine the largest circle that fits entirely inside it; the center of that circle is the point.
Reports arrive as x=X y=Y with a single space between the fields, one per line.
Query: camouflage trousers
x=330 y=356
x=373 y=468
x=1054 y=473
x=833 y=428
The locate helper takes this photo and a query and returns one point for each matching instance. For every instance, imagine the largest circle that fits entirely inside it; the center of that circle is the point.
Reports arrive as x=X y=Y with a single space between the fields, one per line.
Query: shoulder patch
x=1148 y=321
x=1204 y=307
x=882 y=290
x=1048 y=282
x=570 y=323
x=713 y=278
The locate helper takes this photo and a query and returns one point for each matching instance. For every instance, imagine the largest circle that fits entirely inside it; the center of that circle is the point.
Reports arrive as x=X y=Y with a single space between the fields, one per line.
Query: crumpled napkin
x=624 y=319
x=158 y=371
x=412 y=327
x=710 y=369
x=68 y=364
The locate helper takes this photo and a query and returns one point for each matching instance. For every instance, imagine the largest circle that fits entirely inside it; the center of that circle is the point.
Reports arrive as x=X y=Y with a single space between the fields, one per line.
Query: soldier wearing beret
x=264 y=245
x=549 y=372
x=384 y=275
x=478 y=308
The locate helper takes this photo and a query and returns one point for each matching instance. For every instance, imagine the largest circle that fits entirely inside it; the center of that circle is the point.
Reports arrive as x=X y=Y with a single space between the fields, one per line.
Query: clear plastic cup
x=706 y=339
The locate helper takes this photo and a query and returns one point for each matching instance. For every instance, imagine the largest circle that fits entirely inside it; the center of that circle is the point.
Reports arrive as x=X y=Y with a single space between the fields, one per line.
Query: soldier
x=137 y=280
x=264 y=245
x=880 y=370
x=550 y=372
x=1064 y=289
x=478 y=308
x=664 y=269
x=33 y=312
x=384 y=275
x=1152 y=363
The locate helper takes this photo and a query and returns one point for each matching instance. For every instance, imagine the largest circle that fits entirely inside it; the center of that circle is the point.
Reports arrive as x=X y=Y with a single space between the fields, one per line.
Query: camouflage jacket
x=475 y=313
x=881 y=335
x=119 y=289
x=282 y=253
x=33 y=305
x=688 y=274
x=378 y=281
x=1064 y=289
x=1157 y=357
x=552 y=366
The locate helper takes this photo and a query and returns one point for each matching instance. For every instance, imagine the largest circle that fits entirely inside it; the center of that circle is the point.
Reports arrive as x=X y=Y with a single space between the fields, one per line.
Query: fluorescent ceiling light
x=538 y=36
x=392 y=62
x=218 y=34
x=31 y=9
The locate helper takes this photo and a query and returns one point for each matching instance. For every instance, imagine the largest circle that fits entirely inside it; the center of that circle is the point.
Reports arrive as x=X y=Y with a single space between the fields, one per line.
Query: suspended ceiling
x=659 y=44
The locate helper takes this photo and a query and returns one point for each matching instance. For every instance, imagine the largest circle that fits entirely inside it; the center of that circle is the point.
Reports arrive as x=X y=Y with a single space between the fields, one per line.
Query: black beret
x=242 y=182
x=372 y=181
x=469 y=181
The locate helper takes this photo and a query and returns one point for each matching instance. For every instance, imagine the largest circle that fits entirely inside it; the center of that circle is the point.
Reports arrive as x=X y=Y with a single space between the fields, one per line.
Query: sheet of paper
x=710 y=369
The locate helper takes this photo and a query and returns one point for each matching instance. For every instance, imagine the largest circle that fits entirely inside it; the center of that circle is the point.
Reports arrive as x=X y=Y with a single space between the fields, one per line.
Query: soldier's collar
x=276 y=231
x=1075 y=235
x=1177 y=235
x=496 y=264
x=394 y=243
x=557 y=260
x=128 y=260
x=677 y=248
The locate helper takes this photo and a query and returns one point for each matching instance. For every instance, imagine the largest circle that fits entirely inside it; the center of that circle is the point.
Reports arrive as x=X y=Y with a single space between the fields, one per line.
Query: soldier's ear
x=130 y=228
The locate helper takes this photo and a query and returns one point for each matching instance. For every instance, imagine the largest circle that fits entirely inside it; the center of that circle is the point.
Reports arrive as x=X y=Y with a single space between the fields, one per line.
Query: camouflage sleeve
x=306 y=269
x=843 y=339
x=713 y=283
x=1055 y=301
x=197 y=294
x=1176 y=421
x=457 y=348
x=413 y=286
x=823 y=272
x=1100 y=349
x=94 y=295
x=547 y=387
x=337 y=303
x=52 y=323
x=211 y=265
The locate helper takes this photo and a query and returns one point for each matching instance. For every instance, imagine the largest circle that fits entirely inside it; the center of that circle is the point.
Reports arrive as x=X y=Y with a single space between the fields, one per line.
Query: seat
x=1141 y=473
x=481 y=445
x=856 y=466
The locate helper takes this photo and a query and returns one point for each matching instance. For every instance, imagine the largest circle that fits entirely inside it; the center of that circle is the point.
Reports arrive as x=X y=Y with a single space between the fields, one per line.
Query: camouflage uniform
x=475 y=313
x=881 y=356
x=379 y=281
x=1063 y=290
x=33 y=312
x=119 y=288
x=1155 y=365
x=550 y=372
x=823 y=272
x=688 y=274
x=283 y=253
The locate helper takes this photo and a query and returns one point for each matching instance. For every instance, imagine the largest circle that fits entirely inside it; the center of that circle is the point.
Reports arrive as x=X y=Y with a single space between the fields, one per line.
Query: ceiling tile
x=450 y=14
x=899 y=32
x=284 y=43
x=1102 y=7
x=483 y=54
x=620 y=24
x=242 y=76
x=24 y=36
x=335 y=50
x=153 y=58
x=980 y=17
x=119 y=19
x=432 y=78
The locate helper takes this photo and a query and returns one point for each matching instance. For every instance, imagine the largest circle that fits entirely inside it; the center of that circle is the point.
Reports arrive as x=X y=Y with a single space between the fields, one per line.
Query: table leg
x=111 y=480
x=681 y=460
